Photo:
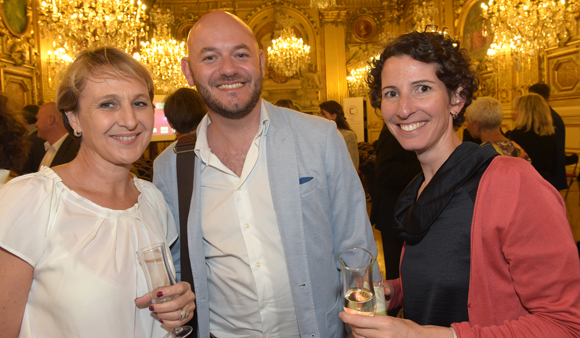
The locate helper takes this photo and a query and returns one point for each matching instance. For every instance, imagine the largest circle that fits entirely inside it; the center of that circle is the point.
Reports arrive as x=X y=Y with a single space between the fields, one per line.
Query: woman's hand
x=170 y=313
x=381 y=326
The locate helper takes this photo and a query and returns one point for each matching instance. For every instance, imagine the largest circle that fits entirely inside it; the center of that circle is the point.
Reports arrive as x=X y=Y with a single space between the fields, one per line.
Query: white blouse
x=86 y=271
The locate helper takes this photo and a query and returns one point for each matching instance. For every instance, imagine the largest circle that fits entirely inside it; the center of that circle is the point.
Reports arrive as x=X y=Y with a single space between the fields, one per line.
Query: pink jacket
x=525 y=271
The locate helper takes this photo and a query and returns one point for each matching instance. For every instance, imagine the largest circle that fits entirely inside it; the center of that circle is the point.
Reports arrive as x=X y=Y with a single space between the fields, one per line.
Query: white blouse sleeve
x=26 y=216
x=155 y=200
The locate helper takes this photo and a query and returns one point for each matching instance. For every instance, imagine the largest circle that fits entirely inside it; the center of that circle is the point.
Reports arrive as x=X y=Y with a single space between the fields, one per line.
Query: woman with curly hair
x=488 y=249
x=13 y=142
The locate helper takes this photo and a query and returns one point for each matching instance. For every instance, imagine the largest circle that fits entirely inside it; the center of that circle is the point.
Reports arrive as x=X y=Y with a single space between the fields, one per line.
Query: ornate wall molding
x=333 y=17
x=250 y=17
x=364 y=26
x=16 y=16
x=18 y=54
x=562 y=69
x=392 y=11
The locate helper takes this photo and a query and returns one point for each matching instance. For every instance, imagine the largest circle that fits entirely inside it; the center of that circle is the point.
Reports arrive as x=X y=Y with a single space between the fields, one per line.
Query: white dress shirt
x=248 y=284
x=51 y=150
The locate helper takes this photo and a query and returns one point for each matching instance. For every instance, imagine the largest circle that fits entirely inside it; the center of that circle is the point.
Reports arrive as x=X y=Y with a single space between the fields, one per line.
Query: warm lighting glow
x=528 y=26
x=288 y=55
x=357 y=82
x=357 y=85
x=75 y=25
x=163 y=54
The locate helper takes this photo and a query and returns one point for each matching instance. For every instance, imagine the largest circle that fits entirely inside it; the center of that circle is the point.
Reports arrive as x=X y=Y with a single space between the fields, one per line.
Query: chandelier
x=357 y=84
x=288 y=55
x=423 y=13
x=75 y=25
x=322 y=4
x=163 y=54
x=55 y=60
x=528 y=26
x=78 y=24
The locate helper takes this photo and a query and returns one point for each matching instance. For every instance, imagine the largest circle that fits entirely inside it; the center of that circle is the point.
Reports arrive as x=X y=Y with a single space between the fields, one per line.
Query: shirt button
x=258 y=264
x=247 y=225
x=265 y=304
x=270 y=336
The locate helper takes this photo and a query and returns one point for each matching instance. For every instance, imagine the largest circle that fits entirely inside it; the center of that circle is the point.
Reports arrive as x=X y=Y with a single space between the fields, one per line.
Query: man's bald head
x=50 y=108
x=49 y=123
x=219 y=20
x=226 y=65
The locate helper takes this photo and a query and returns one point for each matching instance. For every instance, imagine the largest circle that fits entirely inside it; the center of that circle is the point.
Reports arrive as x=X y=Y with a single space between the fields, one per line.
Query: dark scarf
x=414 y=217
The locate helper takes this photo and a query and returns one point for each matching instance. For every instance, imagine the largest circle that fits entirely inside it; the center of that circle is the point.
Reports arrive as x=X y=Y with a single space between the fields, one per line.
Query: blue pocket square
x=305 y=179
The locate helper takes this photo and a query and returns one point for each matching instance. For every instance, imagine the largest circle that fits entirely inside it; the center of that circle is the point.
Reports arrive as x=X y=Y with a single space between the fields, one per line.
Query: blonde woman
x=535 y=133
x=484 y=117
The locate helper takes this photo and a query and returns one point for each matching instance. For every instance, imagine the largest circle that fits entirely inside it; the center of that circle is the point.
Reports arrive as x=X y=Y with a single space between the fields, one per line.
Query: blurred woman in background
x=535 y=132
x=332 y=110
x=285 y=103
x=484 y=117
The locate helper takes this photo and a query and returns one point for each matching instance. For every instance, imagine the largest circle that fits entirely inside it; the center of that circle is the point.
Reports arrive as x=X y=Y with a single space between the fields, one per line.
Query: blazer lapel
x=62 y=150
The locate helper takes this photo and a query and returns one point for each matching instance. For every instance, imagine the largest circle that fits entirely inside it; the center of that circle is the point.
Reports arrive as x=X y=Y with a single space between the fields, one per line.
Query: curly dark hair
x=454 y=65
x=13 y=138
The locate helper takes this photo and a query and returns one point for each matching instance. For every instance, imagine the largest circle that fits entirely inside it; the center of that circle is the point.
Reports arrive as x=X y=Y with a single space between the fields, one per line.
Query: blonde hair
x=487 y=111
x=102 y=61
x=533 y=114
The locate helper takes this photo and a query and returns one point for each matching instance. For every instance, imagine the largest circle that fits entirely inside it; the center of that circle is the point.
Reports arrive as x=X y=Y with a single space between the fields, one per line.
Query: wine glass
x=158 y=273
x=357 y=273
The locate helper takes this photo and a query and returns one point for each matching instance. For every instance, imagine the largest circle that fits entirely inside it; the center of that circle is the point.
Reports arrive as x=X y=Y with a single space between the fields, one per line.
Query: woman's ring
x=184 y=314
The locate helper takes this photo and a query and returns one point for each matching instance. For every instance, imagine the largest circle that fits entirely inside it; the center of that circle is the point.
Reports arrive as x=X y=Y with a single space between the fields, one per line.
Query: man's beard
x=239 y=110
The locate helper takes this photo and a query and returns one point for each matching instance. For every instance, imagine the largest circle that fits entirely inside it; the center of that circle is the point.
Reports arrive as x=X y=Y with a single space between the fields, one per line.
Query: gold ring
x=184 y=314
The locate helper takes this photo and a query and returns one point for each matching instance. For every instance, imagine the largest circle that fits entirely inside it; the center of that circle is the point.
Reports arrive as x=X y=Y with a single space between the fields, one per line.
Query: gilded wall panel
x=18 y=87
x=562 y=74
x=18 y=55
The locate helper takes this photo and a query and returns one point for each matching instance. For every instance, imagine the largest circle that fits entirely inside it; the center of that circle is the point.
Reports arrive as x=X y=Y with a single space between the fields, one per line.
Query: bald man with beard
x=275 y=199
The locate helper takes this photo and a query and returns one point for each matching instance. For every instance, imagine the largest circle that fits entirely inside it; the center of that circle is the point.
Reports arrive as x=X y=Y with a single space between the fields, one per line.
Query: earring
x=77 y=133
x=454 y=115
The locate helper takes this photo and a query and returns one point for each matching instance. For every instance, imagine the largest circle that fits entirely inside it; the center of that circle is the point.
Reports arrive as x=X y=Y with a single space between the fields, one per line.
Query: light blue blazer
x=321 y=210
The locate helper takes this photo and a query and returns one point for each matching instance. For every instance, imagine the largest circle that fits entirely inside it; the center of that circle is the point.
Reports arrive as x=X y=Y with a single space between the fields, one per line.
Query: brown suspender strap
x=185 y=171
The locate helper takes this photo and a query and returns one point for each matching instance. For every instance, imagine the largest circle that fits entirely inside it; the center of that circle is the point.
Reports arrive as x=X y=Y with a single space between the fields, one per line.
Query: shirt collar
x=56 y=144
x=202 y=149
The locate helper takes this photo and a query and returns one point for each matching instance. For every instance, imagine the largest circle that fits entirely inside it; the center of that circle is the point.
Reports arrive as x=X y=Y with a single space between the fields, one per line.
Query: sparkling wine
x=380 y=296
x=360 y=301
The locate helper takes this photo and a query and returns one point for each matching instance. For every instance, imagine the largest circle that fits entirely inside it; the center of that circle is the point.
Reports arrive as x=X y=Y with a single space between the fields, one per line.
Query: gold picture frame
x=17 y=16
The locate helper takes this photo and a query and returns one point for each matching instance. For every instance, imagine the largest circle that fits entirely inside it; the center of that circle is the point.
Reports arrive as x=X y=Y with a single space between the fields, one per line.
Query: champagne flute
x=158 y=273
x=357 y=273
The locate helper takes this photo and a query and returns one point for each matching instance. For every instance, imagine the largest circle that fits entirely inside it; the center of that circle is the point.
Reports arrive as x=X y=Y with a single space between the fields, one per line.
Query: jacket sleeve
x=527 y=250
x=349 y=218
x=164 y=178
